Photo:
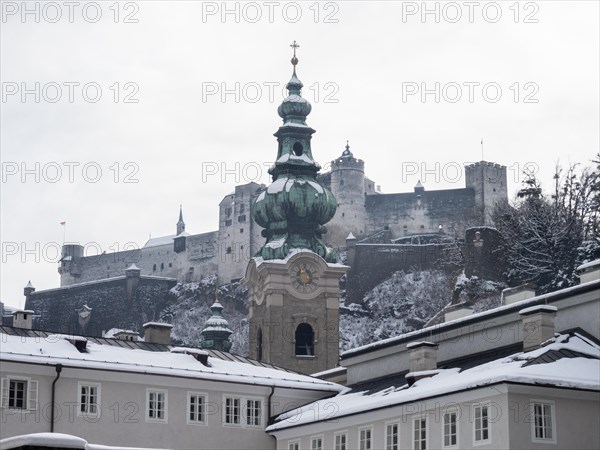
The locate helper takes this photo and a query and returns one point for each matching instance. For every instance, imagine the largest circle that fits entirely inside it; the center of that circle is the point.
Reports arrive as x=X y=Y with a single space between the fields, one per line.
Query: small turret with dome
x=215 y=333
x=294 y=208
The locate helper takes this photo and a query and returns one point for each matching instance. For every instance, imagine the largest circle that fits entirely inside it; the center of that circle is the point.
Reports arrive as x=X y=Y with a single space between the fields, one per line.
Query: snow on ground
x=403 y=303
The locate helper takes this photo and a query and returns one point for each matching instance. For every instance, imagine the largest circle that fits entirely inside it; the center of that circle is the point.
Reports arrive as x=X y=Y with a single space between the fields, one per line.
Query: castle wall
x=112 y=306
x=422 y=212
x=199 y=260
x=361 y=210
x=373 y=263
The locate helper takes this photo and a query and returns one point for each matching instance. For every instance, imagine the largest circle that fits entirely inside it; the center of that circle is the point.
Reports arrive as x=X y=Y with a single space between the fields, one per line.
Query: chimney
x=457 y=311
x=157 y=333
x=537 y=325
x=516 y=294
x=23 y=319
x=422 y=358
x=589 y=271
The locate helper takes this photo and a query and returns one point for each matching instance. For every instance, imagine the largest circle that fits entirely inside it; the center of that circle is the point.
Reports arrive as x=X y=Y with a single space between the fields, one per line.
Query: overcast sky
x=187 y=91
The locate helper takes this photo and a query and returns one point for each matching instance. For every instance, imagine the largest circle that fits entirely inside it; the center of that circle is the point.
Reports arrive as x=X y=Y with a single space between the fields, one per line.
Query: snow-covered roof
x=157 y=324
x=163 y=240
x=580 y=372
x=133 y=267
x=589 y=265
x=56 y=440
x=29 y=285
x=114 y=331
x=32 y=350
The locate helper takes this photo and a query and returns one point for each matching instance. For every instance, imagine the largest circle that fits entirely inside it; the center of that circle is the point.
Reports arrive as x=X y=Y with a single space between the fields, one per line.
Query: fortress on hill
x=363 y=211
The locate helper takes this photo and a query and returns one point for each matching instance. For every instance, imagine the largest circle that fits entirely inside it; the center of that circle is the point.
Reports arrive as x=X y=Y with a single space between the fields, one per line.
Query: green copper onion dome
x=215 y=333
x=294 y=208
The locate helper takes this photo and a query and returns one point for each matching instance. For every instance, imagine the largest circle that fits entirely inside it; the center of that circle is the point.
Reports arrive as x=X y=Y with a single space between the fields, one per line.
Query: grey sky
x=357 y=59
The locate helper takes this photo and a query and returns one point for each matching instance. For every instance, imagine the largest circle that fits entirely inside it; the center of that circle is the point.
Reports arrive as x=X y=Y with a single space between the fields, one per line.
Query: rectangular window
x=242 y=218
x=420 y=433
x=450 y=430
x=294 y=445
x=232 y=410
x=228 y=222
x=391 y=436
x=316 y=443
x=196 y=408
x=89 y=398
x=482 y=426
x=340 y=441
x=364 y=438
x=156 y=405
x=253 y=413
x=543 y=425
x=19 y=393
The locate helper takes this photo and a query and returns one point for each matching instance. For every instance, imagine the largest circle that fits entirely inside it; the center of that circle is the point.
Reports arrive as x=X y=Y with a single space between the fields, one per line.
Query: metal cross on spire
x=294 y=45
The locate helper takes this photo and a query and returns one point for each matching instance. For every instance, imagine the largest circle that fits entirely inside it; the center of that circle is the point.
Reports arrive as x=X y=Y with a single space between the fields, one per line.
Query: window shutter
x=5 y=384
x=32 y=395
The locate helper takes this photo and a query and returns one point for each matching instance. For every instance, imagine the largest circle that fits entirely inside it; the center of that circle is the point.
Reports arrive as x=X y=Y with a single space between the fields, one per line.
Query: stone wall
x=422 y=212
x=199 y=260
x=370 y=264
x=94 y=307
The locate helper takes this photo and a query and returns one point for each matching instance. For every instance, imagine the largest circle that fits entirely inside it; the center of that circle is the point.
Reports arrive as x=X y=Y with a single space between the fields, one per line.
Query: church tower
x=293 y=280
x=180 y=222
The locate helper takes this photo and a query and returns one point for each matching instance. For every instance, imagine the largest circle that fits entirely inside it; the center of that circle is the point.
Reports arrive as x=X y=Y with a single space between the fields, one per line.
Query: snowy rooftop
x=548 y=365
x=55 y=440
x=135 y=360
x=163 y=240
x=589 y=265
x=114 y=331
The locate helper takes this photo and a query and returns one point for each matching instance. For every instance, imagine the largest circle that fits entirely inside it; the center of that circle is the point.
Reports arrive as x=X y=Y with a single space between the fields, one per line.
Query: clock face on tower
x=304 y=277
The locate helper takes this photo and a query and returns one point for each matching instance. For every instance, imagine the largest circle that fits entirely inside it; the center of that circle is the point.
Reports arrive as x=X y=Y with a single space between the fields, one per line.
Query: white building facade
x=139 y=394
x=524 y=375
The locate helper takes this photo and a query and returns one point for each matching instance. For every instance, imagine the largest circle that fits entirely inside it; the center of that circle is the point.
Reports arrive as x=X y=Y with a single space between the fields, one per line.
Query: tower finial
x=294 y=45
x=180 y=222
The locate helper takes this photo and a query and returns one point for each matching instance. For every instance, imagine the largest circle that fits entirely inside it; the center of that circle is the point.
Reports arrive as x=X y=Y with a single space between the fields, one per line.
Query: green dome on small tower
x=294 y=208
x=215 y=333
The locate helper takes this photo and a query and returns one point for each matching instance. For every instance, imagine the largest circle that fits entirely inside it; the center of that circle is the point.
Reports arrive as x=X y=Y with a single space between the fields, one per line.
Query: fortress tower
x=293 y=281
x=489 y=182
x=349 y=186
